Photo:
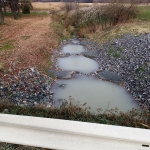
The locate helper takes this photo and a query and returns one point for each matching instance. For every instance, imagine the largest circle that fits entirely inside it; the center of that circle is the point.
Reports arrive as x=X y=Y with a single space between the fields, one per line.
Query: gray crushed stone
x=29 y=88
x=129 y=57
x=61 y=74
x=110 y=76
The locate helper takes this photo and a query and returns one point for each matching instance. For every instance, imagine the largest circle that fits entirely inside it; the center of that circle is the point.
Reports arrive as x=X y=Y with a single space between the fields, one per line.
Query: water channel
x=78 y=63
x=73 y=49
x=88 y=89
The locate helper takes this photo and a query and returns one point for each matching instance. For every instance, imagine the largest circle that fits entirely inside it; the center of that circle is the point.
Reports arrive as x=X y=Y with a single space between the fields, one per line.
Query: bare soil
x=33 y=41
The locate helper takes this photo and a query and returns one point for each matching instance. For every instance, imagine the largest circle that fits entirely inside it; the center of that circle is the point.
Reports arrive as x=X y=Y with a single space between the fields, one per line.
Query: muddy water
x=96 y=93
x=73 y=49
x=78 y=63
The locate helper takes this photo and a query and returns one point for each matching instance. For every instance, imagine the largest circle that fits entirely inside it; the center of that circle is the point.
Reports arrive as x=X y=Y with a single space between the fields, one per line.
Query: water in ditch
x=78 y=63
x=73 y=49
x=96 y=93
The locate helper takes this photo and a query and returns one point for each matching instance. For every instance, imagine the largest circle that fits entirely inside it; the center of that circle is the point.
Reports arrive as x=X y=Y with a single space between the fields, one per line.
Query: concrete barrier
x=70 y=135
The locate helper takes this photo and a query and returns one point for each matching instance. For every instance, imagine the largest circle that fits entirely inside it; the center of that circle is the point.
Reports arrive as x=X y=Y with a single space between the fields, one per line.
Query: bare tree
x=1 y=13
x=4 y=4
x=15 y=7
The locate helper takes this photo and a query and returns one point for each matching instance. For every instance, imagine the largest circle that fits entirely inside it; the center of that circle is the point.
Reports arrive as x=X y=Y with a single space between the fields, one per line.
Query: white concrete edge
x=68 y=130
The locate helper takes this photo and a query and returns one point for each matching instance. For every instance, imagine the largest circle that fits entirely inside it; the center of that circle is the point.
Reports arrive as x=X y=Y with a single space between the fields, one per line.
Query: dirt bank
x=29 y=40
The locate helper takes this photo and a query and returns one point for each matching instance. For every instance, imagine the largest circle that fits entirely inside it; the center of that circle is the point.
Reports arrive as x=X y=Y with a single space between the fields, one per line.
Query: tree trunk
x=4 y=9
x=15 y=9
x=1 y=14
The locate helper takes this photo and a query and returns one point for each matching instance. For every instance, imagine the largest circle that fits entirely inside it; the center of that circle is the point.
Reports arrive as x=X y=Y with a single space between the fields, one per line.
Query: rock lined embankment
x=29 y=87
x=127 y=57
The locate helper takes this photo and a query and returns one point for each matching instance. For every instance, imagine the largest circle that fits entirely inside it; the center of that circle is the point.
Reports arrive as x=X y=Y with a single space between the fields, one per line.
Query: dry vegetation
x=46 y=6
x=27 y=41
x=136 y=28
x=53 y=5
x=100 y=23
x=30 y=40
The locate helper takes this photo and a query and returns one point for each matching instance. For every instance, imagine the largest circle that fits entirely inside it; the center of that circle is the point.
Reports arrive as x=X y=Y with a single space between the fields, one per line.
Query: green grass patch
x=115 y=53
x=111 y=51
x=141 y=69
x=31 y=14
x=34 y=14
x=25 y=37
x=60 y=31
x=144 y=13
x=9 y=14
x=120 y=48
x=1 y=67
x=7 y=46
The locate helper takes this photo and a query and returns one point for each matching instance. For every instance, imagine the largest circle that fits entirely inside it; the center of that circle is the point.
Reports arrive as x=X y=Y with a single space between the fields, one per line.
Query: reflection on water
x=78 y=63
x=96 y=93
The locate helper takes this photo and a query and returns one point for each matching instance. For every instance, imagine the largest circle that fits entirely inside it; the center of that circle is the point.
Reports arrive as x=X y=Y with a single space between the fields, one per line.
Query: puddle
x=75 y=41
x=96 y=93
x=78 y=63
x=73 y=49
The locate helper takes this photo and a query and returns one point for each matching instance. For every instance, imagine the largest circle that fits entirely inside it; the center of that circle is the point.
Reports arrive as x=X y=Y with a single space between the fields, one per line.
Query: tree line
x=15 y=7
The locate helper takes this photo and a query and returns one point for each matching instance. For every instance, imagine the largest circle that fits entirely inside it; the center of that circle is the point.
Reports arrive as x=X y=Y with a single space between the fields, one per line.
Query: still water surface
x=78 y=63
x=96 y=93
x=73 y=49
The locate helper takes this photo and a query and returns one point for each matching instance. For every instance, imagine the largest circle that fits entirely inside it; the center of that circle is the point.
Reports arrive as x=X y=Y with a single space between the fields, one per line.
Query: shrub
x=68 y=6
x=67 y=18
x=106 y=15
x=26 y=6
x=26 y=9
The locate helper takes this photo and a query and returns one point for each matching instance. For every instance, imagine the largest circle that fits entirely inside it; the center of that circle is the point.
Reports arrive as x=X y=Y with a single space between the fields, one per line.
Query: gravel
x=28 y=88
x=110 y=76
x=125 y=60
x=128 y=58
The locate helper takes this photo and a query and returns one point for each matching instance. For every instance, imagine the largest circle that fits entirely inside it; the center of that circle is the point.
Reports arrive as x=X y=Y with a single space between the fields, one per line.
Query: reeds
x=107 y=15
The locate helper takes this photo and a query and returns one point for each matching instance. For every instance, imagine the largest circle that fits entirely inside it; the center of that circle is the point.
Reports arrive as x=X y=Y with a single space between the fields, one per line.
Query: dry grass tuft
x=47 y=6
x=101 y=36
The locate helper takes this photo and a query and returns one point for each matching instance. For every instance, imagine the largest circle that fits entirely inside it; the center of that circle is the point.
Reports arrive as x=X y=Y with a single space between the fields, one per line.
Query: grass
x=144 y=13
x=1 y=67
x=7 y=46
x=115 y=53
x=32 y=14
x=8 y=146
x=60 y=31
x=35 y=13
x=49 y=62
x=111 y=51
x=120 y=48
x=136 y=26
x=70 y=111
x=141 y=69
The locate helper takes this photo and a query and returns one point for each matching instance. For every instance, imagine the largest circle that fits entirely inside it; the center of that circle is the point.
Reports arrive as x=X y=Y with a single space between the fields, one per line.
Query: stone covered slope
x=129 y=57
